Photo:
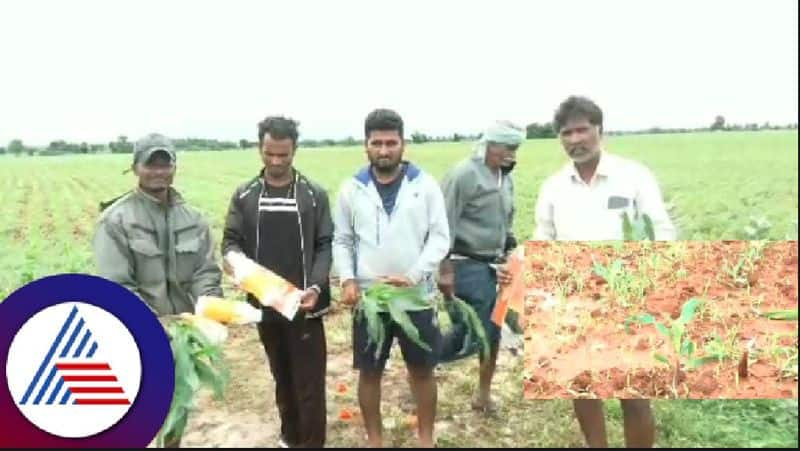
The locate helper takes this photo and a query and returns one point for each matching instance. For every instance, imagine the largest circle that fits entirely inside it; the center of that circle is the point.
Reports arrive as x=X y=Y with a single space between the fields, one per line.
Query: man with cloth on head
x=479 y=196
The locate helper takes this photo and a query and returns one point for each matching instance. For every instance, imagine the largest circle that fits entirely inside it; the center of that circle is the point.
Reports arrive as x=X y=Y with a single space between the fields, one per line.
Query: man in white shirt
x=585 y=201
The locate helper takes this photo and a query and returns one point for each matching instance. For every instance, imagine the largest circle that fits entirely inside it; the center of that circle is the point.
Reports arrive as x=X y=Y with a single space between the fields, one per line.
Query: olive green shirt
x=162 y=252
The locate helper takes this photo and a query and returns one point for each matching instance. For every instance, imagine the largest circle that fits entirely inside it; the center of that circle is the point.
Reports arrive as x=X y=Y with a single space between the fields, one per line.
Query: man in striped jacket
x=281 y=220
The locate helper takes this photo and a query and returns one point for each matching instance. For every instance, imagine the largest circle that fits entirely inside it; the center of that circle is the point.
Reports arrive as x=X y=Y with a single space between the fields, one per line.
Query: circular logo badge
x=66 y=366
x=86 y=363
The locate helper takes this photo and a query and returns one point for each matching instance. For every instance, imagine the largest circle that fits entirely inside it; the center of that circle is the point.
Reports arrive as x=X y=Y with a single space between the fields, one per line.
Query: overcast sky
x=92 y=70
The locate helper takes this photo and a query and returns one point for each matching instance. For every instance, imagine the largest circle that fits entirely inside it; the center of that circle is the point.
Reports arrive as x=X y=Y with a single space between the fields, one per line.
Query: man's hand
x=503 y=275
x=227 y=268
x=397 y=281
x=350 y=292
x=309 y=299
x=447 y=279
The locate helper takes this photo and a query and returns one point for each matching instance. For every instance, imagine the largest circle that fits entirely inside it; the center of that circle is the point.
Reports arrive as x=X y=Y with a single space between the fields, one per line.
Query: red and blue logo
x=86 y=364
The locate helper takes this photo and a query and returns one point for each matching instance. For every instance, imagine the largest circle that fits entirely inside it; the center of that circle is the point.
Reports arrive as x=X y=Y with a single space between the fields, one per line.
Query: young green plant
x=638 y=228
x=681 y=345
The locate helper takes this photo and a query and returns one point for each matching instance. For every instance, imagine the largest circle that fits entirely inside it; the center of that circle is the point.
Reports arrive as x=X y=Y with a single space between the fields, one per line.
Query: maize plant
x=397 y=302
x=198 y=359
x=639 y=228
x=682 y=346
x=475 y=330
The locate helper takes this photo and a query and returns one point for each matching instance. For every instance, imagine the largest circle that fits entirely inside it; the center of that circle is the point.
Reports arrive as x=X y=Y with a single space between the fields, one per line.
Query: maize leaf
x=198 y=363
x=402 y=319
x=475 y=326
x=783 y=315
x=376 y=333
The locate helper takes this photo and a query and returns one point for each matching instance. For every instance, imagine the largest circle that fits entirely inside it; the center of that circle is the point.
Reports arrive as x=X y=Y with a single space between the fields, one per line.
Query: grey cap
x=146 y=146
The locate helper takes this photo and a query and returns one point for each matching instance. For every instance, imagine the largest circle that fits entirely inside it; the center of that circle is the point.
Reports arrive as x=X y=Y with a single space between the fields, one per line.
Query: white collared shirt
x=570 y=209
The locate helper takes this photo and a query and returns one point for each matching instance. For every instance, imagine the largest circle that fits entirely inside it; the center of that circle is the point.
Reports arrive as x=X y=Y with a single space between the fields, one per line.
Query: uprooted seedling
x=196 y=347
x=638 y=228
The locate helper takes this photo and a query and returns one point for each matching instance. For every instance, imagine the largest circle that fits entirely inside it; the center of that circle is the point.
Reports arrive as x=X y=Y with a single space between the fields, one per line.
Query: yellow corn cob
x=226 y=311
x=218 y=310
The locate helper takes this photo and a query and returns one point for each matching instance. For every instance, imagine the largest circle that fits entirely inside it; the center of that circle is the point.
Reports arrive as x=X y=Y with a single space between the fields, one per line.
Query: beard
x=385 y=166
x=506 y=168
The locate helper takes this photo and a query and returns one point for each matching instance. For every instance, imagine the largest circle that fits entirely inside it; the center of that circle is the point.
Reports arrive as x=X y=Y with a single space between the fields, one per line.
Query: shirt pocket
x=149 y=261
x=619 y=202
x=617 y=206
x=187 y=253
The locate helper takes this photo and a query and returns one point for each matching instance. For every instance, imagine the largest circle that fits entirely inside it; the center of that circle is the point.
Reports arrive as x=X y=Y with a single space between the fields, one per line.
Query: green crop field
x=714 y=183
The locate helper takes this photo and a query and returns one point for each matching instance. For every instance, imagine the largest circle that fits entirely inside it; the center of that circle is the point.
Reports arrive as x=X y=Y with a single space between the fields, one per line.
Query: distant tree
x=2 y=150
x=84 y=147
x=419 y=138
x=349 y=141
x=540 y=131
x=121 y=145
x=309 y=143
x=15 y=147
x=719 y=123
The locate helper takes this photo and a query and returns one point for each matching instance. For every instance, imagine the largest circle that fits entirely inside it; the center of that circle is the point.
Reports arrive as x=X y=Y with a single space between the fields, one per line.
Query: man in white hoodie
x=390 y=225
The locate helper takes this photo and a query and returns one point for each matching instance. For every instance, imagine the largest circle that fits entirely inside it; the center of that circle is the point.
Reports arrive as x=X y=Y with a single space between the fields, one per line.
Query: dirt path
x=248 y=416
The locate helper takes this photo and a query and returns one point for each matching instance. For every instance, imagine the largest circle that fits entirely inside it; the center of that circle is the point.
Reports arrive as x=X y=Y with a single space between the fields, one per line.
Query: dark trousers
x=297 y=359
x=475 y=284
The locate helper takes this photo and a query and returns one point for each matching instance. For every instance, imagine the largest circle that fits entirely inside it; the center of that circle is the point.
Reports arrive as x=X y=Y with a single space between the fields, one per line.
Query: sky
x=93 y=70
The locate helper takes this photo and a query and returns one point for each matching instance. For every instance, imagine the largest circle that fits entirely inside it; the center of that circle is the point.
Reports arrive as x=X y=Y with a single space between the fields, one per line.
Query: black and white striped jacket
x=241 y=231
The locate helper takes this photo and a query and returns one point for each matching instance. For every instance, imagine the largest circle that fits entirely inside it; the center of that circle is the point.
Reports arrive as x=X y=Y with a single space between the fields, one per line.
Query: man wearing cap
x=479 y=194
x=153 y=243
